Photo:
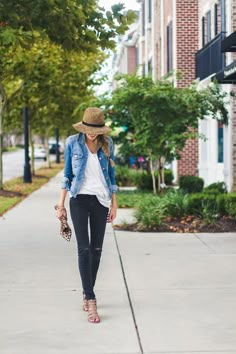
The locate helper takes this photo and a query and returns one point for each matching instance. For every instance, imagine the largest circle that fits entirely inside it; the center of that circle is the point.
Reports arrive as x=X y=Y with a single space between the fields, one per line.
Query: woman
x=89 y=176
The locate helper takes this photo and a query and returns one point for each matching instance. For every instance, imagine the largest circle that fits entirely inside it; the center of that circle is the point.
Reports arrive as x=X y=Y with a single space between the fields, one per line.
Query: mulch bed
x=188 y=224
x=10 y=194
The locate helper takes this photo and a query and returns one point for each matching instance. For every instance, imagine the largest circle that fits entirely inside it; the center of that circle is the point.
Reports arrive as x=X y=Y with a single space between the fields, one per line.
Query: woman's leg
x=98 y=221
x=79 y=209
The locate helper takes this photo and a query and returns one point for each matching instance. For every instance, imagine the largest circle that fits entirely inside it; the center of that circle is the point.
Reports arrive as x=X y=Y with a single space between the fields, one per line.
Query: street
x=13 y=164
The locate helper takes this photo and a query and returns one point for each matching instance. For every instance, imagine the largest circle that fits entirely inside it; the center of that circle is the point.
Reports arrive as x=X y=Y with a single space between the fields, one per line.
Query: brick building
x=125 y=60
x=197 y=38
x=168 y=42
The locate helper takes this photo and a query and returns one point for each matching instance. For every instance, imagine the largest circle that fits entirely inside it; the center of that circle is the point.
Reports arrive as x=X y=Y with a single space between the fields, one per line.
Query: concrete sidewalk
x=157 y=293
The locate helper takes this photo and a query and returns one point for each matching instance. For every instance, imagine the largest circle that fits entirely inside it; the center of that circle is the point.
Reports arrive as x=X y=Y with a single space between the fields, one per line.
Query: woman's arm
x=68 y=174
x=111 y=168
x=113 y=210
x=60 y=206
x=66 y=181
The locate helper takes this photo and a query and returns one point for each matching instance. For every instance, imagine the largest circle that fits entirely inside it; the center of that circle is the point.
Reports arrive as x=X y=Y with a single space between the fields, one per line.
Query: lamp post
x=27 y=169
x=57 y=146
x=3 y=99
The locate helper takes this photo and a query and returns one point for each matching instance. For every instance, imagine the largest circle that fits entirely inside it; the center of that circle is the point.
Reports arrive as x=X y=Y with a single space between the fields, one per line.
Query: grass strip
x=15 y=190
x=132 y=199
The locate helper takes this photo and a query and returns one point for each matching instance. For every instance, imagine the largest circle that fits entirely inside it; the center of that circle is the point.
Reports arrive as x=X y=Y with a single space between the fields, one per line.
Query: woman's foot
x=92 y=311
x=85 y=304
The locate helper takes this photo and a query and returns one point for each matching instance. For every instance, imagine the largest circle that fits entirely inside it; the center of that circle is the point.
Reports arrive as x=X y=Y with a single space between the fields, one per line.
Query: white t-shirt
x=94 y=181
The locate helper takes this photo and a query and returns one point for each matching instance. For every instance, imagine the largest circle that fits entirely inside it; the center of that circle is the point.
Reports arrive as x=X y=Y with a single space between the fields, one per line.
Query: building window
x=223 y=15
x=220 y=142
x=208 y=26
x=203 y=32
x=150 y=11
x=169 y=47
x=137 y=56
x=150 y=67
x=143 y=18
x=216 y=19
x=143 y=69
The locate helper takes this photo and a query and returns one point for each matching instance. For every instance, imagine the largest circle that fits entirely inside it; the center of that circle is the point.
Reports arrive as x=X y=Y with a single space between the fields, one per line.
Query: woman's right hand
x=60 y=211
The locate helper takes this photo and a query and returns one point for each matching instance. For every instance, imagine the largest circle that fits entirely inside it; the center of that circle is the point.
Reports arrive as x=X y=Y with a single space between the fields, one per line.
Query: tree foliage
x=74 y=24
x=47 y=78
x=160 y=116
x=49 y=50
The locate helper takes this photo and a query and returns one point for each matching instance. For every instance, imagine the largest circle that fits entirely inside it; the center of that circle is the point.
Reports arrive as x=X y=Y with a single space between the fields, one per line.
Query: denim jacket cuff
x=65 y=183
x=114 y=188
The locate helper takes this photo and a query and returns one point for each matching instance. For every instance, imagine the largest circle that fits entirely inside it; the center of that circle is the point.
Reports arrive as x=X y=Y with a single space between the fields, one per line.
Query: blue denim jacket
x=75 y=157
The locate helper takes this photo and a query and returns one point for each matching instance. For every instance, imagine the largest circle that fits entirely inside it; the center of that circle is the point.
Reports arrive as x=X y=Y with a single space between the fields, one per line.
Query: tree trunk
x=159 y=174
x=153 y=177
x=162 y=161
x=2 y=106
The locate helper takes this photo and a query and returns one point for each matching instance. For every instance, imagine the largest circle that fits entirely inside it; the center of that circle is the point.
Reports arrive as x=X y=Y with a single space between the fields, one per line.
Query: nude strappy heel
x=92 y=311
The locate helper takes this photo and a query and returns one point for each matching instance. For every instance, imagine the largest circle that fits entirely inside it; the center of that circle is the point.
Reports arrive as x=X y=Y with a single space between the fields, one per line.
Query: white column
x=146 y=37
x=174 y=41
x=154 y=38
x=162 y=38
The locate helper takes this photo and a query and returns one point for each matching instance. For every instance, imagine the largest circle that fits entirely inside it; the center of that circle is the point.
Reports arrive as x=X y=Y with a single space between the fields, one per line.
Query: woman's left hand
x=112 y=214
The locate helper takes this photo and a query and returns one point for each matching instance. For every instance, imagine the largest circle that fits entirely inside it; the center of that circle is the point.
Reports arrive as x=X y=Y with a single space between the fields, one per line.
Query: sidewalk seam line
x=128 y=294
x=204 y=243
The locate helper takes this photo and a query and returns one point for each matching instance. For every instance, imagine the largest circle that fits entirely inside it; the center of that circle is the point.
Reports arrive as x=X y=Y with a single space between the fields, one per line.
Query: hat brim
x=91 y=130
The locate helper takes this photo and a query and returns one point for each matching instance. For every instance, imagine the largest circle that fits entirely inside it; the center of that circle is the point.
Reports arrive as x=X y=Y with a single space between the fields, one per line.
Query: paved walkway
x=157 y=293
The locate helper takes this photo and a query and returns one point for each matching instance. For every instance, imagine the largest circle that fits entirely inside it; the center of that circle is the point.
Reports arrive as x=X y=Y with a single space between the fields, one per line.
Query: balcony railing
x=210 y=59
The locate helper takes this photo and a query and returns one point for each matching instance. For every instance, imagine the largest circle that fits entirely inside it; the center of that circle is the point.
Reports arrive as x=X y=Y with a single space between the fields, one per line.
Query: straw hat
x=93 y=122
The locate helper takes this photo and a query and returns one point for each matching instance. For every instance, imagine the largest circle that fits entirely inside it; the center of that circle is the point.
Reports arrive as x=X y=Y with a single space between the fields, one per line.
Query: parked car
x=40 y=152
x=52 y=147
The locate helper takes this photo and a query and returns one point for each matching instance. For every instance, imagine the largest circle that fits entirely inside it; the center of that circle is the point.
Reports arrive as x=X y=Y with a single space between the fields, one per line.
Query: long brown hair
x=104 y=143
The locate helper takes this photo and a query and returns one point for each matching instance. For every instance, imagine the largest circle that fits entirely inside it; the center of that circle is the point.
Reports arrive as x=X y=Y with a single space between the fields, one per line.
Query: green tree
x=77 y=25
x=51 y=82
x=162 y=117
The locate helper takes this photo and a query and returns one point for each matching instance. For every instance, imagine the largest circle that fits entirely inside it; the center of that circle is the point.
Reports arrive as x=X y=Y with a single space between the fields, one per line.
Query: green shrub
x=144 y=179
x=209 y=212
x=220 y=200
x=221 y=204
x=197 y=202
x=151 y=212
x=191 y=184
x=175 y=202
x=126 y=176
x=153 y=209
x=168 y=177
x=216 y=188
x=230 y=204
x=211 y=191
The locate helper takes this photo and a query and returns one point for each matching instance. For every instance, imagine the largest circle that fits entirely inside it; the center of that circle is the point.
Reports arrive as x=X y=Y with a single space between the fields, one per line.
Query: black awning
x=227 y=75
x=228 y=44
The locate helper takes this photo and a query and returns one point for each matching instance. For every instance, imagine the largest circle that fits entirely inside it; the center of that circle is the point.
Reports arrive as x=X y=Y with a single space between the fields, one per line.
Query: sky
x=129 y=4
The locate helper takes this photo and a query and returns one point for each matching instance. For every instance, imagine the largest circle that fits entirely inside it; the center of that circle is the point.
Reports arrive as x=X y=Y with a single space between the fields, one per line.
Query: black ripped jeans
x=85 y=209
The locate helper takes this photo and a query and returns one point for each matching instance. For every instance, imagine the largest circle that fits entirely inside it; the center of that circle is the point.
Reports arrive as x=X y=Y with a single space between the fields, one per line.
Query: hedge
x=215 y=188
x=144 y=180
x=191 y=184
x=230 y=204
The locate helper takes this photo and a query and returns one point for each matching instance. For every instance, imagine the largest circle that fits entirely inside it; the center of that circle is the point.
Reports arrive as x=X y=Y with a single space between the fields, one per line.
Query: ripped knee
x=96 y=252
